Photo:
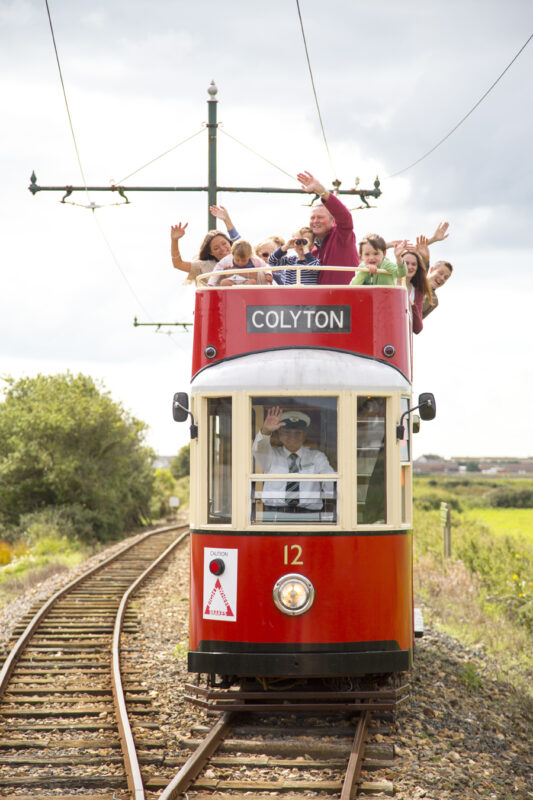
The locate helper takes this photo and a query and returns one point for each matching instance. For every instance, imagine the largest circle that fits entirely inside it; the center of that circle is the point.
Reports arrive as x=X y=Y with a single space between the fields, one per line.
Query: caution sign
x=220 y=590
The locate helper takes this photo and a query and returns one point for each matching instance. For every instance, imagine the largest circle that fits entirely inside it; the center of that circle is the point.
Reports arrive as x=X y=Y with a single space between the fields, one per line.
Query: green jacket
x=393 y=271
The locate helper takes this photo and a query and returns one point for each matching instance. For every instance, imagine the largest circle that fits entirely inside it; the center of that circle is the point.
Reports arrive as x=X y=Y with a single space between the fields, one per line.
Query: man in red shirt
x=332 y=227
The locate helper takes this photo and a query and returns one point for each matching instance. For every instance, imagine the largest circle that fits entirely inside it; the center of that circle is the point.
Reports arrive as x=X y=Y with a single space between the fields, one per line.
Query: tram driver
x=292 y=456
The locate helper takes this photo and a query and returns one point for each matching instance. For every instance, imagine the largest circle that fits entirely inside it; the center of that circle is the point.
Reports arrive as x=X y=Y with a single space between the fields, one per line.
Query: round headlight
x=293 y=594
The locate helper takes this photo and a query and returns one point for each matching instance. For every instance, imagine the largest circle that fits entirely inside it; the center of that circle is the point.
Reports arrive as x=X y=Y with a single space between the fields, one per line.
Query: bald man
x=332 y=227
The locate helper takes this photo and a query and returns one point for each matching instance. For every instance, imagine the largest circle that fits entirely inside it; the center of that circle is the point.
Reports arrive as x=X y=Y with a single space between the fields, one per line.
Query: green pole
x=212 y=152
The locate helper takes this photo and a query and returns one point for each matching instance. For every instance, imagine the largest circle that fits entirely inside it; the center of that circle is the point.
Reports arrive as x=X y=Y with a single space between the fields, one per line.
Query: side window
x=405 y=444
x=295 y=438
x=219 y=459
x=371 y=463
x=405 y=455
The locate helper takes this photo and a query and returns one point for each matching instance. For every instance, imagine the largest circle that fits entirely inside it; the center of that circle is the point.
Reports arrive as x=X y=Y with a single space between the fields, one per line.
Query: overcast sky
x=392 y=80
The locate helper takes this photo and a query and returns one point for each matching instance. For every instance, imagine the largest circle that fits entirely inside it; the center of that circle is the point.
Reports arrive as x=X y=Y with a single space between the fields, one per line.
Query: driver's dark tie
x=292 y=488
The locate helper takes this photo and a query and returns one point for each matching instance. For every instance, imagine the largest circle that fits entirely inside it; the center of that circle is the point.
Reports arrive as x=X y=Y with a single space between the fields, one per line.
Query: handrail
x=201 y=280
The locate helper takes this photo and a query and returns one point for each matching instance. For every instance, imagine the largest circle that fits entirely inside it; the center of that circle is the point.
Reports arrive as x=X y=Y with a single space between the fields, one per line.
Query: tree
x=181 y=465
x=65 y=443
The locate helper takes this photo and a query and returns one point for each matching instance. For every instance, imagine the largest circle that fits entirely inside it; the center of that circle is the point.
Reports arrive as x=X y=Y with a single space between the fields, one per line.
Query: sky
x=392 y=79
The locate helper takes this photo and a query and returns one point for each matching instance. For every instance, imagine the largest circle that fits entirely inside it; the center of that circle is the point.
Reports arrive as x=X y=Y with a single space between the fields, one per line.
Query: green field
x=515 y=522
x=484 y=592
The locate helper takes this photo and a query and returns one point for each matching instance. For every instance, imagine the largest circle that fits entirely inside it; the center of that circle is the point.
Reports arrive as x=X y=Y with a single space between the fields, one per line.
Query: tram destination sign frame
x=299 y=319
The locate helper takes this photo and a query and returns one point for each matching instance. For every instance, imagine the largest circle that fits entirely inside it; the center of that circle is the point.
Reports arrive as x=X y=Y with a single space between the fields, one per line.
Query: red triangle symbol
x=208 y=610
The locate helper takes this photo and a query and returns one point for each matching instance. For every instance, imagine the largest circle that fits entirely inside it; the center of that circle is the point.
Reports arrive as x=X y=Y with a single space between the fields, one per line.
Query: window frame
x=345 y=476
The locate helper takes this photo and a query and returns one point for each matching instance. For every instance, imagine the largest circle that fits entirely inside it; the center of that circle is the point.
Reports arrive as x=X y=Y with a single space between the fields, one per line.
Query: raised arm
x=441 y=233
x=423 y=250
x=176 y=233
x=222 y=213
x=399 y=249
x=311 y=184
x=272 y=421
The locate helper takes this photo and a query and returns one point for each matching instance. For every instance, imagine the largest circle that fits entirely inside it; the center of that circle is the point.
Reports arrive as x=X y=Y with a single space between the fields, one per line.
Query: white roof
x=301 y=369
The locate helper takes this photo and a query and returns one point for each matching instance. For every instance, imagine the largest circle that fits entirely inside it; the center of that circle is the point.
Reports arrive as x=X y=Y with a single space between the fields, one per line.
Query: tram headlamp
x=293 y=594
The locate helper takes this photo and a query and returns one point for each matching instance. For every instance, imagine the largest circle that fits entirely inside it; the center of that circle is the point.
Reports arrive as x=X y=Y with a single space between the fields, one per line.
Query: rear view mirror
x=427 y=405
x=416 y=423
x=180 y=407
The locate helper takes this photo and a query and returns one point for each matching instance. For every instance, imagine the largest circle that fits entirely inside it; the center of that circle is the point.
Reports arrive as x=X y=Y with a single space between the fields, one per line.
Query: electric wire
x=314 y=88
x=92 y=205
x=66 y=100
x=125 y=178
x=257 y=154
x=395 y=174
x=118 y=266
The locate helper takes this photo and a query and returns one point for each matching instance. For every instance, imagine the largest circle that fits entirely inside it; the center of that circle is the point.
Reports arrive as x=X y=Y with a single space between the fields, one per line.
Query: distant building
x=430 y=464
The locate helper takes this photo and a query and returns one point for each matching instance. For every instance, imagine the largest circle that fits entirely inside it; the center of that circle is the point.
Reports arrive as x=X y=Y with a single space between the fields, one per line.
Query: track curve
x=61 y=690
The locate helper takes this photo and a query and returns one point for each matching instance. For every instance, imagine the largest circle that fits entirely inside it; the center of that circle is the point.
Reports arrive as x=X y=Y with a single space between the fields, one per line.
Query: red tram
x=301 y=567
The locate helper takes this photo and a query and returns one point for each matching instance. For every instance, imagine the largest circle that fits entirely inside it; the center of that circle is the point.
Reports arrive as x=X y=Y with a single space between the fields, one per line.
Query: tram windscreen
x=219 y=471
x=294 y=438
x=371 y=463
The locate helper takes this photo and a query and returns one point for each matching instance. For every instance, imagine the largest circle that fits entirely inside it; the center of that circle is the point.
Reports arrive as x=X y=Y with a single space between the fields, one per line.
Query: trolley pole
x=212 y=127
x=212 y=188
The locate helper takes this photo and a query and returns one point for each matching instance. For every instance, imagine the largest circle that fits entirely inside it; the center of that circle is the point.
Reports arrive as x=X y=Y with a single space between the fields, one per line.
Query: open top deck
x=370 y=321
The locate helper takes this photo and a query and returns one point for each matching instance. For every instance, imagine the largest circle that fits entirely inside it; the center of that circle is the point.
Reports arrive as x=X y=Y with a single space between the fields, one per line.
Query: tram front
x=301 y=512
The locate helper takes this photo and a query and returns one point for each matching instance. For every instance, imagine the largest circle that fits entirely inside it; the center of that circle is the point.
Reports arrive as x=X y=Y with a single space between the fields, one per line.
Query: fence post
x=446 y=529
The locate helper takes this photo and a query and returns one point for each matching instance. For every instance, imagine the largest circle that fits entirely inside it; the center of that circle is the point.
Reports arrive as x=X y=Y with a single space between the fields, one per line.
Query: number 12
x=295 y=554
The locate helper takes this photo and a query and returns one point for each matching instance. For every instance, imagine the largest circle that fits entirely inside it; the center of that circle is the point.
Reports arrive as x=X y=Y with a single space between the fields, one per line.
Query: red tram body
x=322 y=587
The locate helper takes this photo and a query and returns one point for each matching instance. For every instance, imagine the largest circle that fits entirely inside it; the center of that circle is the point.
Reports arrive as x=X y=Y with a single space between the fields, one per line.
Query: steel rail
x=129 y=751
x=24 y=638
x=196 y=762
x=355 y=762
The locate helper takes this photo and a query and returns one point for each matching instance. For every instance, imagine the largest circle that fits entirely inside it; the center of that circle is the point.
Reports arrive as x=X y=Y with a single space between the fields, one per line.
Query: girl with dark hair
x=417 y=285
x=215 y=245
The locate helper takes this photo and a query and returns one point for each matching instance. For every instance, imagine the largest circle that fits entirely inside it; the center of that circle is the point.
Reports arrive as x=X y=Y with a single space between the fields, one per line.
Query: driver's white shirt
x=276 y=459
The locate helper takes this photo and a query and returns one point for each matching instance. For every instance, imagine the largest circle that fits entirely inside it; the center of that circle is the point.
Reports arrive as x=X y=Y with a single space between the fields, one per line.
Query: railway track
x=67 y=721
x=292 y=755
x=71 y=725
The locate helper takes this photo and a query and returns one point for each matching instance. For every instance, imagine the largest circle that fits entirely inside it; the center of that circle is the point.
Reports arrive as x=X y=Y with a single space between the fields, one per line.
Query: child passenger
x=372 y=251
x=302 y=242
x=241 y=258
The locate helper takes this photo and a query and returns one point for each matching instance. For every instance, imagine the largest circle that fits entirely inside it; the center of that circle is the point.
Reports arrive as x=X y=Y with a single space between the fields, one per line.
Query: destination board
x=298 y=319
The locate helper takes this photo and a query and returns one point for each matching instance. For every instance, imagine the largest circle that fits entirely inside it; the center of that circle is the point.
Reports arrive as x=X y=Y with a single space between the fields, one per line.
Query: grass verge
x=483 y=595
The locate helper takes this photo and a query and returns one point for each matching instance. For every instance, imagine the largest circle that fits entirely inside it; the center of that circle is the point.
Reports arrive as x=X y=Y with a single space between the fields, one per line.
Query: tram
x=301 y=570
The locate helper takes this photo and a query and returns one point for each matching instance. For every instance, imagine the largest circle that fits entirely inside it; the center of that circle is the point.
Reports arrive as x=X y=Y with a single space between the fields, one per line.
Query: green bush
x=432 y=500
x=65 y=443
x=181 y=465
x=183 y=490
x=164 y=488
x=510 y=497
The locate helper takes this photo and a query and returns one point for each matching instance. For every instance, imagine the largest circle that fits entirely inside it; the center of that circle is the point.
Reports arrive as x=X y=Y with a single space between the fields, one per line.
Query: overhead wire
x=125 y=178
x=509 y=65
x=257 y=154
x=65 y=98
x=314 y=88
x=92 y=205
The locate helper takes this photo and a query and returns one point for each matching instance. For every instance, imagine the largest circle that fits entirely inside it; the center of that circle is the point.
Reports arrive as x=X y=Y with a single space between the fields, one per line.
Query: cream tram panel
x=303 y=368
x=334 y=376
